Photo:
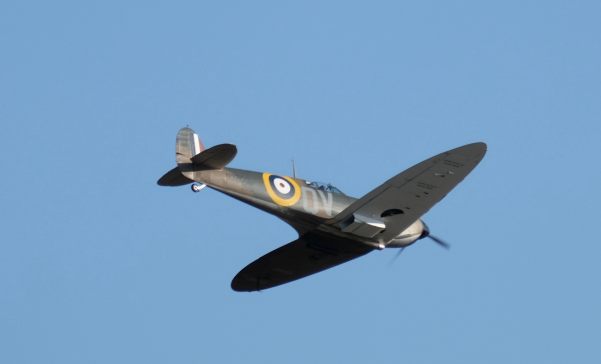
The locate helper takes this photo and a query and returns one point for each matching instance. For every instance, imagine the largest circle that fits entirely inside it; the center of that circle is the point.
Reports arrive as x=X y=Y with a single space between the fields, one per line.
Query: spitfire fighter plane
x=333 y=228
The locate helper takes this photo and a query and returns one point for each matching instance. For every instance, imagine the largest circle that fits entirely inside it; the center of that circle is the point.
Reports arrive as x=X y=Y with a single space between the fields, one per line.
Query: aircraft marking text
x=317 y=202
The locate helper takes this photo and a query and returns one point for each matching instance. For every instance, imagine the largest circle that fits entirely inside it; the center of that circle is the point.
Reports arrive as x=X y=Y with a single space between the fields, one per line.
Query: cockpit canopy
x=324 y=187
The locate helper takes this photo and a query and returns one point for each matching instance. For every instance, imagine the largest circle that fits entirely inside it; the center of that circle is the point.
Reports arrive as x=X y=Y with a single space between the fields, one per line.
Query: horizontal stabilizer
x=174 y=178
x=215 y=157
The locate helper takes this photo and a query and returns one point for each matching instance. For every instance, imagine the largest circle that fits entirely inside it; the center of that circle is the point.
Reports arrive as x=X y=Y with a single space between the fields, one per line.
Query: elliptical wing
x=404 y=198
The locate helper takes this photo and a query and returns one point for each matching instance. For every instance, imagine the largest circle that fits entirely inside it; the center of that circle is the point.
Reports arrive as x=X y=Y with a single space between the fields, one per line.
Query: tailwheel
x=196 y=187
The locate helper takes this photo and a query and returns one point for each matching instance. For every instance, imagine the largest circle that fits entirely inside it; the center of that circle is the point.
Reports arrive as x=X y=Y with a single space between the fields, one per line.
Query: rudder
x=191 y=156
x=188 y=145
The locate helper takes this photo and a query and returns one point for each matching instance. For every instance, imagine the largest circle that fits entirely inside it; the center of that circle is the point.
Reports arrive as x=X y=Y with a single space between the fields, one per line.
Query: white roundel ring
x=282 y=186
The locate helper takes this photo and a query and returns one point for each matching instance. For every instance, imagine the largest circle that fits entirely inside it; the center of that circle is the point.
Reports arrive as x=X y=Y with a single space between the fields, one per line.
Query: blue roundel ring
x=282 y=190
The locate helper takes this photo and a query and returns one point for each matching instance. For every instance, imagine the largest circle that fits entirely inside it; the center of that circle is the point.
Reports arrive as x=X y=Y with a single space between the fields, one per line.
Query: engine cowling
x=413 y=233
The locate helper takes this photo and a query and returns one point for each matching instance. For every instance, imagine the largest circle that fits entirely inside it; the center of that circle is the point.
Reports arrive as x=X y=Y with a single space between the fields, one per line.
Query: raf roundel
x=284 y=191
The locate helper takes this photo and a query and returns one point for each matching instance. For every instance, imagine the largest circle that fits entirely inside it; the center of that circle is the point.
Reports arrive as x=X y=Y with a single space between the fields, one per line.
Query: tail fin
x=190 y=155
x=187 y=145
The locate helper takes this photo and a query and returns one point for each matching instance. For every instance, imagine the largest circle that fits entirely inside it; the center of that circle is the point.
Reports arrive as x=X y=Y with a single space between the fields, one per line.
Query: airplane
x=333 y=227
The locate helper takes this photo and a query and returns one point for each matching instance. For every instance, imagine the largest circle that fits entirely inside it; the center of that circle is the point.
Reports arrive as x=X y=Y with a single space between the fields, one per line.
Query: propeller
x=437 y=240
x=396 y=256
x=425 y=234
x=440 y=242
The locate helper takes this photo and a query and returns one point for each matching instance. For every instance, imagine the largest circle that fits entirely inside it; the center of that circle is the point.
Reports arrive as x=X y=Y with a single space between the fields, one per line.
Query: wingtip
x=482 y=147
x=475 y=150
x=243 y=284
x=479 y=145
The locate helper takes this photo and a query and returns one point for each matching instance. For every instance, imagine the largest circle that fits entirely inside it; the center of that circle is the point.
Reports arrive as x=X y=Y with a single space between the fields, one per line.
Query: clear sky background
x=98 y=264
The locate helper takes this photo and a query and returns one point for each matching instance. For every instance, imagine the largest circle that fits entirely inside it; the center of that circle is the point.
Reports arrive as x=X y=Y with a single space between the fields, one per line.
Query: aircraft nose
x=425 y=231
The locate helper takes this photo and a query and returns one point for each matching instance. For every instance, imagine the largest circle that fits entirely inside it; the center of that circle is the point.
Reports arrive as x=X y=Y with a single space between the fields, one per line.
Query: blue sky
x=98 y=264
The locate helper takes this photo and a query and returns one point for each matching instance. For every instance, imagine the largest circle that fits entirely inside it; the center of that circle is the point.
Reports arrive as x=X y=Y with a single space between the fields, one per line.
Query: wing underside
x=307 y=255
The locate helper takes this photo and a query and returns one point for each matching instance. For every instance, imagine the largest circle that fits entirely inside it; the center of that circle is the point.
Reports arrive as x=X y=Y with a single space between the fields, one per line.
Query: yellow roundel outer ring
x=277 y=199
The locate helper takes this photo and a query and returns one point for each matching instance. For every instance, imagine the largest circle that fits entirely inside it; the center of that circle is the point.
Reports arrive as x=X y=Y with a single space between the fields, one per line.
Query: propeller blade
x=396 y=256
x=440 y=242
